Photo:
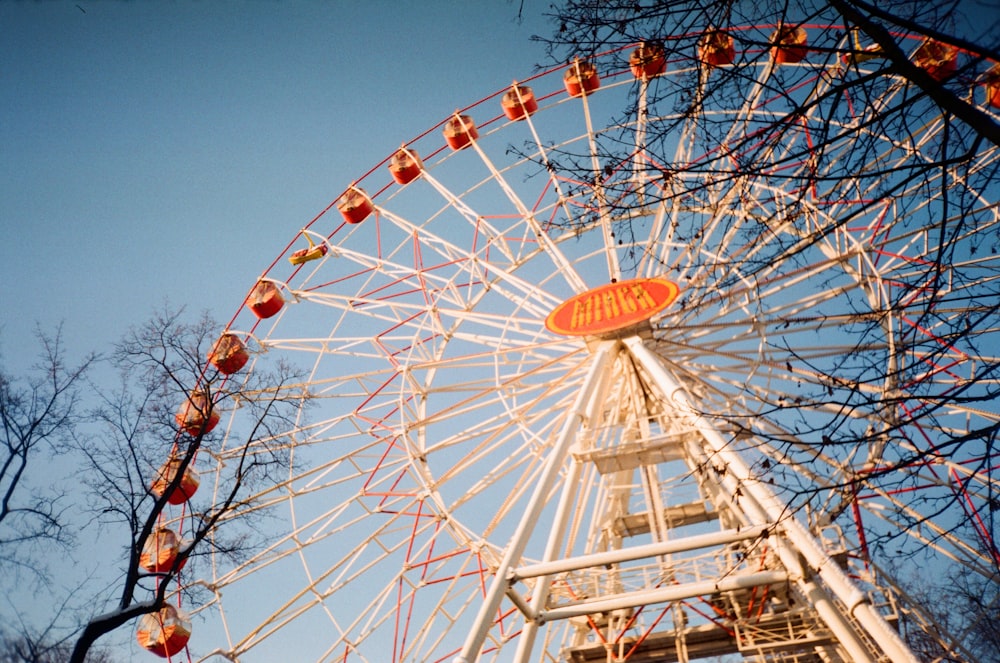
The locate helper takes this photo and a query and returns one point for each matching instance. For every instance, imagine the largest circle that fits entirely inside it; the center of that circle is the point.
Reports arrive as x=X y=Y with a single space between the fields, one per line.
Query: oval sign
x=611 y=307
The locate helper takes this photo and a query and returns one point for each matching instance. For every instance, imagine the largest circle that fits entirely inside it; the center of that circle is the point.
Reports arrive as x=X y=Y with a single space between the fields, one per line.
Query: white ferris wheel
x=606 y=367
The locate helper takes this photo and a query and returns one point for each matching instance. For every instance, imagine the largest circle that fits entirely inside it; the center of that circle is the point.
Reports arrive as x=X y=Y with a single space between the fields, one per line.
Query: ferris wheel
x=634 y=360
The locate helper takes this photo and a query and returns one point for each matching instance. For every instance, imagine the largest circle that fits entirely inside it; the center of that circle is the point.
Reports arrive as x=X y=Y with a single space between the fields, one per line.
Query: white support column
x=536 y=503
x=775 y=510
x=540 y=594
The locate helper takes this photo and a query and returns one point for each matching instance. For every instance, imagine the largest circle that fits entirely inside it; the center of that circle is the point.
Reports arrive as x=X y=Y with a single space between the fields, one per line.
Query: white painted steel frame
x=764 y=508
x=378 y=317
x=576 y=419
x=770 y=509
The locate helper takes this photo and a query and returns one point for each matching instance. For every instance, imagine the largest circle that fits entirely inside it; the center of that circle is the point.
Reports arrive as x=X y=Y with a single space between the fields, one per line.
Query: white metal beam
x=536 y=503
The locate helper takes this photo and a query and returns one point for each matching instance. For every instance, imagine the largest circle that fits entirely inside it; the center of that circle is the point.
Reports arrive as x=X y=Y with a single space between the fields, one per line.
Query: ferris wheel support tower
x=855 y=629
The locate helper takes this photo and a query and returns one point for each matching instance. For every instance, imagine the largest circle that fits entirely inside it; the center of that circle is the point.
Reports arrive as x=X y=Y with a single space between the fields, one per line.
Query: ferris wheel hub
x=608 y=310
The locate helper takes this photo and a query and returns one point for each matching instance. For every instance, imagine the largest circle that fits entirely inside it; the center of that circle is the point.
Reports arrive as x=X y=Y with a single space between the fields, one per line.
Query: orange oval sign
x=611 y=307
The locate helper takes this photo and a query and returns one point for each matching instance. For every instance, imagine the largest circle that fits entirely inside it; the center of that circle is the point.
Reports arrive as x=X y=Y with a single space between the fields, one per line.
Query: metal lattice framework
x=731 y=477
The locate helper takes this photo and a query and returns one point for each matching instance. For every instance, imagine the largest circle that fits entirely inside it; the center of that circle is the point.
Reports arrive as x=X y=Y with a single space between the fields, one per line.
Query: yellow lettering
x=583 y=313
x=626 y=302
x=611 y=309
x=643 y=297
x=594 y=304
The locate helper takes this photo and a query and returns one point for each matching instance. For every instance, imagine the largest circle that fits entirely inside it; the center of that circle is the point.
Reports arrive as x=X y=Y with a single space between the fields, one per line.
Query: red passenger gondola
x=460 y=131
x=647 y=61
x=581 y=78
x=265 y=299
x=187 y=487
x=518 y=102
x=992 y=84
x=938 y=59
x=229 y=354
x=355 y=205
x=788 y=44
x=197 y=415
x=405 y=166
x=165 y=632
x=715 y=48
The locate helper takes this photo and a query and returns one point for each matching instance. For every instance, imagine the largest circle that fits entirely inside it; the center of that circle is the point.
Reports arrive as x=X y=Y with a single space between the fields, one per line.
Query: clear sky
x=168 y=151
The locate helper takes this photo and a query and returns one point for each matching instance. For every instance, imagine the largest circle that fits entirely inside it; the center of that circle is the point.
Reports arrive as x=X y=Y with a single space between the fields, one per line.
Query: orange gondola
x=460 y=131
x=184 y=491
x=265 y=299
x=715 y=48
x=581 y=78
x=160 y=551
x=518 y=102
x=229 y=354
x=992 y=85
x=788 y=44
x=405 y=166
x=165 y=632
x=648 y=60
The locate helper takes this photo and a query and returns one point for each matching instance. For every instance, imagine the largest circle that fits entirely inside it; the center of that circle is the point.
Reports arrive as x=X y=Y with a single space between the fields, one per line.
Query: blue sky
x=168 y=151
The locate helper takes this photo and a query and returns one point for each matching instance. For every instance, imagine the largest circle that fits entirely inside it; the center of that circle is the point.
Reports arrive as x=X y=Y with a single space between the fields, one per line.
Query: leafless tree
x=970 y=607
x=140 y=428
x=38 y=413
x=40 y=648
x=873 y=70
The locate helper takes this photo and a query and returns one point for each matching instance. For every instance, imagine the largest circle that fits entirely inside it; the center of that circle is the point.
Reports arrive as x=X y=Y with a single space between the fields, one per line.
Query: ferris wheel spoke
x=596 y=190
x=537 y=233
x=492 y=237
x=566 y=268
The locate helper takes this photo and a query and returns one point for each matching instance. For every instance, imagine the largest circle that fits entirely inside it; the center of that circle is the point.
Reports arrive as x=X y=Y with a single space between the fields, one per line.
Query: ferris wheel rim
x=521 y=336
